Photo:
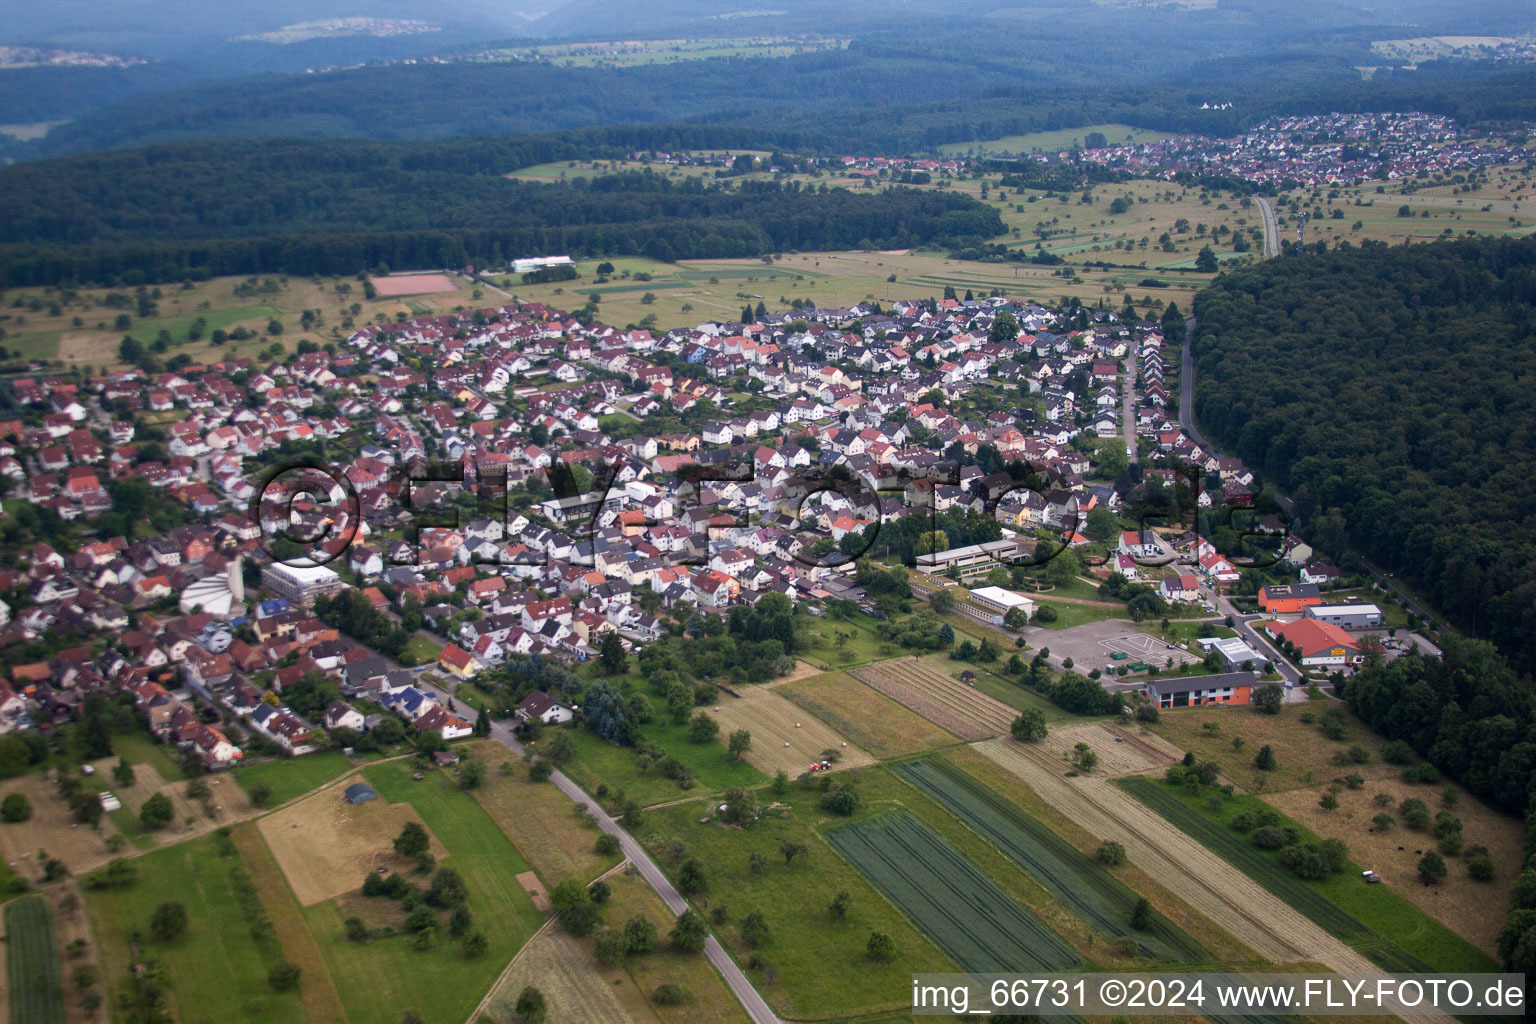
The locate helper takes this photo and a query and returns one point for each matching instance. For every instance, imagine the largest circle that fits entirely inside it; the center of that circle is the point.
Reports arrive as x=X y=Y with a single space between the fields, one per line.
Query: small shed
x=360 y=792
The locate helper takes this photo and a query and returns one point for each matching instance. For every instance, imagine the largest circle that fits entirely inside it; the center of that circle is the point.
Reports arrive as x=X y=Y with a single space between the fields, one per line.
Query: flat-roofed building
x=1346 y=616
x=1000 y=601
x=1195 y=691
x=300 y=585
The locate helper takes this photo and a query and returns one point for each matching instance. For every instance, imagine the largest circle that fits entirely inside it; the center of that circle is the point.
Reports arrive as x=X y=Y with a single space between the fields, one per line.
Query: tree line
x=198 y=210
x=1386 y=389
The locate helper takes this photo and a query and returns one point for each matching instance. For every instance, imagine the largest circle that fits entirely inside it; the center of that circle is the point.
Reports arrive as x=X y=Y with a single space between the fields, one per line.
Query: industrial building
x=1347 y=616
x=1193 y=691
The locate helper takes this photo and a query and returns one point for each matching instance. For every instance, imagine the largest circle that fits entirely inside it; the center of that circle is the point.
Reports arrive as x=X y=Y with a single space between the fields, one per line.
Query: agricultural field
x=978 y=924
x=1083 y=884
x=784 y=737
x=598 y=761
x=633 y=53
x=44 y=326
x=1006 y=690
x=1194 y=874
x=325 y=845
x=1362 y=213
x=51 y=828
x=1373 y=918
x=563 y=968
x=1468 y=907
x=316 y=988
x=139 y=750
x=538 y=818
x=1305 y=757
x=869 y=719
x=216 y=968
x=379 y=980
x=819 y=966
x=1120 y=751
x=32 y=963
x=1051 y=141
x=292 y=777
x=941 y=698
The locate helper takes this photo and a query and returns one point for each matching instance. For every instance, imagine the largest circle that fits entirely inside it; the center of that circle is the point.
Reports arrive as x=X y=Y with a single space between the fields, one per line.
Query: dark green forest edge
x=1387 y=389
x=204 y=209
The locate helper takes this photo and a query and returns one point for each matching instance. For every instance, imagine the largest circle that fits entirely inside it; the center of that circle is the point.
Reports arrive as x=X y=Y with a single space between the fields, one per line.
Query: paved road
x=1271 y=227
x=756 y=1006
x=1128 y=406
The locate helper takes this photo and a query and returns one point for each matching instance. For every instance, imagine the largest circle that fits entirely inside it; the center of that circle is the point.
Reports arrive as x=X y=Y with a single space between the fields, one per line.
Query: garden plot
x=965 y=912
x=784 y=737
x=1083 y=884
x=944 y=700
x=1119 y=752
x=326 y=846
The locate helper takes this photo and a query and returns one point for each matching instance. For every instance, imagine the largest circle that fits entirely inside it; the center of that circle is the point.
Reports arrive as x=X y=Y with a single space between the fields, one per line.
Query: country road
x=751 y=1000
x=1271 y=227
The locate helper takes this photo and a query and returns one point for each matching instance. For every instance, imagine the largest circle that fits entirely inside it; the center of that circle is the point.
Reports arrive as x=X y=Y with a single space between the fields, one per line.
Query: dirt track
x=939 y=697
x=1270 y=927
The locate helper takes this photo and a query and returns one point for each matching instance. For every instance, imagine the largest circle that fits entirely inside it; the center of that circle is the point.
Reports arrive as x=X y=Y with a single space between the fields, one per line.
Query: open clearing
x=941 y=698
x=966 y=913
x=1472 y=909
x=32 y=963
x=326 y=846
x=576 y=989
x=784 y=737
x=414 y=284
x=1120 y=751
x=1203 y=880
x=538 y=818
x=1083 y=884
x=1305 y=757
x=872 y=721
x=51 y=828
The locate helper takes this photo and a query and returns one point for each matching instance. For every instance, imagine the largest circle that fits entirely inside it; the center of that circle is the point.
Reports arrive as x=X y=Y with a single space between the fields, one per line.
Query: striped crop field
x=965 y=912
x=32 y=963
x=1086 y=887
x=1247 y=858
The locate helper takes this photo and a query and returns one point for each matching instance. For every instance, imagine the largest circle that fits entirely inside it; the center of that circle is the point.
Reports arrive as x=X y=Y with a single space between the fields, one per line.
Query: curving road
x=1271 y=227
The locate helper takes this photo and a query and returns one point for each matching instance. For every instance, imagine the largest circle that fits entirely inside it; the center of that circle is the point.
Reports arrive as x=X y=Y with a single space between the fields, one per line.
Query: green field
x=138 y=749
x=216 y=969
x=964 y=911
x=422 y=649
x=860 y=645
x=291 y=777
x=822 y=968
x=597 y=761
x=1050 y=141
x=1383 y=925
x=32 y=963
x=1080 y=882
x=380 y=980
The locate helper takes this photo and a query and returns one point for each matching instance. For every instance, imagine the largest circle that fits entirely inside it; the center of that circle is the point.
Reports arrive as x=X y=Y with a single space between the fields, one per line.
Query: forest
x=1388 y=391
x=200 y=209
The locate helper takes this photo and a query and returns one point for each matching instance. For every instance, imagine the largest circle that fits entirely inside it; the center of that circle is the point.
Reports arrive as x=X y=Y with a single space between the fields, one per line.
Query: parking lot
x=1091 y=645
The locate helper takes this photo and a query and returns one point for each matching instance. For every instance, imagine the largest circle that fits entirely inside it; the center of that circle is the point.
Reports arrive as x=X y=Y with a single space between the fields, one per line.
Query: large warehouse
x=1349 y=616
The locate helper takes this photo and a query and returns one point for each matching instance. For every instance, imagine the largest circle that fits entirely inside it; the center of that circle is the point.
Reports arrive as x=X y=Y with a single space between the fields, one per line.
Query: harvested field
x=535 y=890
x=1251 y=914
x=963 y=910
x=1083 y=884
x=940 y=697
x=327 y=846
x=50 y=828
x=414 y=284
x=872 y=721
x=1120 y=751
x=784 y=737
x=1475 y=910
x=575 y=988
